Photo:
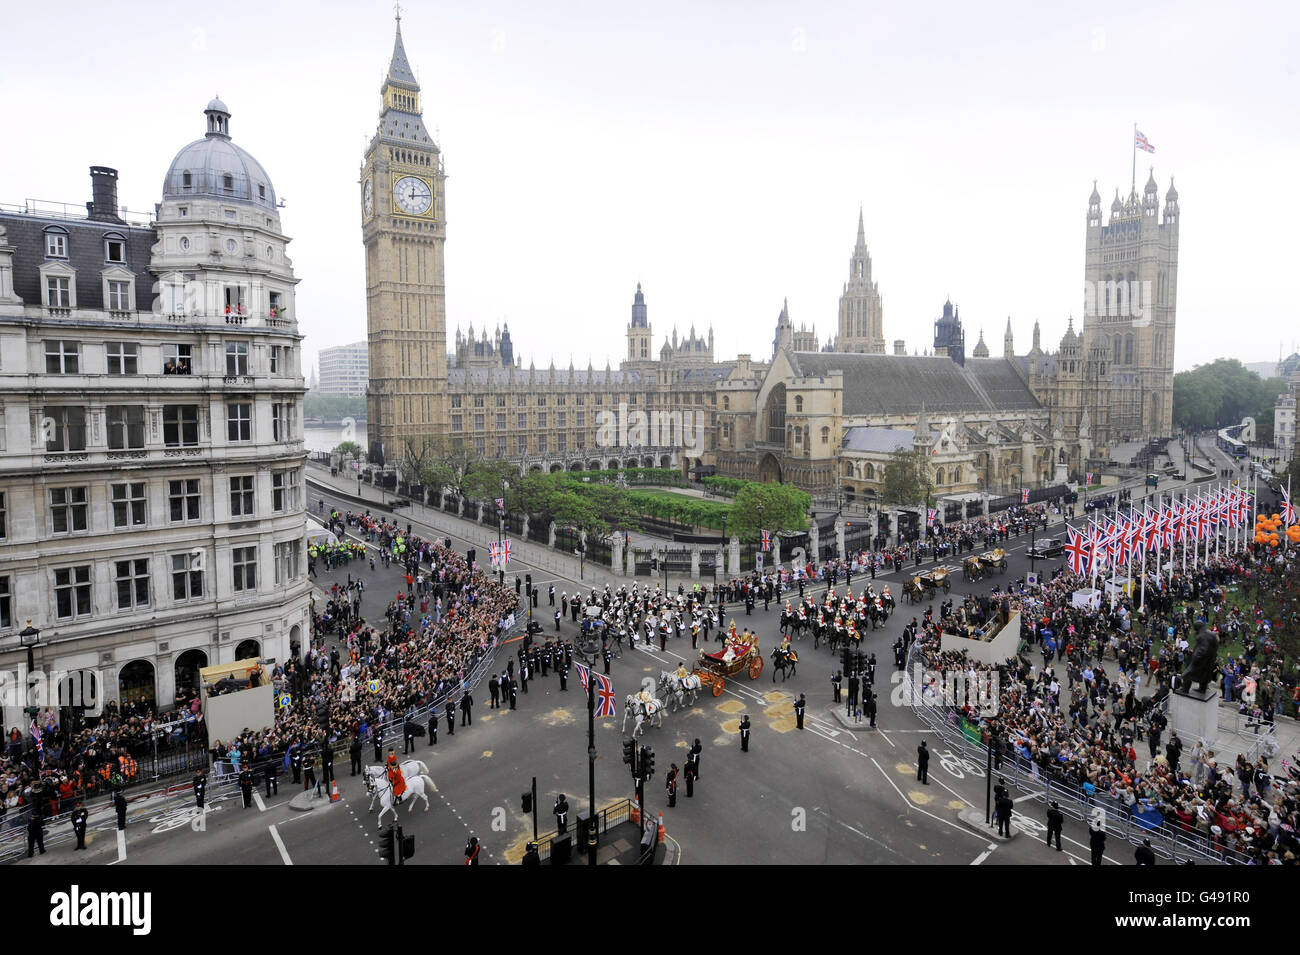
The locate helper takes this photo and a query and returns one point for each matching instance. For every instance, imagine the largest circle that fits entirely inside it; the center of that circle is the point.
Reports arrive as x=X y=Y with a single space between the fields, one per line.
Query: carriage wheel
x=717 y=686
x=756 y=668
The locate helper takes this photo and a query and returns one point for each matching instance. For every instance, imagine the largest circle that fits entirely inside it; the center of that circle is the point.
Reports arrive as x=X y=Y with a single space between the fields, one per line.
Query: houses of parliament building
x=825 y=416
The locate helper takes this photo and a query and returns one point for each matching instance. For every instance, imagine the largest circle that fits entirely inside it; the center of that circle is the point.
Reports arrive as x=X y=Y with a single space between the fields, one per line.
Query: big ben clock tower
x=403 y=228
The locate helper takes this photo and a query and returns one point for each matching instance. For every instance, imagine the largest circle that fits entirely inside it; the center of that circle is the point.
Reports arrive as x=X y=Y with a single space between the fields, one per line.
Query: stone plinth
x=1195 y=715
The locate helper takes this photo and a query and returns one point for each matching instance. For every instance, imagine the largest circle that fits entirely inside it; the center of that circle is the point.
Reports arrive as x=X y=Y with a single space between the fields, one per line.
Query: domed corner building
x=152 y=501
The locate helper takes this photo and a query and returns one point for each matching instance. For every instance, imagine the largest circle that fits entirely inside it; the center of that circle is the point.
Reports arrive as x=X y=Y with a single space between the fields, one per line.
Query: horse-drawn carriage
x=739 y=654
x=978 y=567
x=923 y=586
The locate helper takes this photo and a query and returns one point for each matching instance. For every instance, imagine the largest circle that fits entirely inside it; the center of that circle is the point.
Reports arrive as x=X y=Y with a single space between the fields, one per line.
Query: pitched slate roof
x=899 y=384
x=886 y=440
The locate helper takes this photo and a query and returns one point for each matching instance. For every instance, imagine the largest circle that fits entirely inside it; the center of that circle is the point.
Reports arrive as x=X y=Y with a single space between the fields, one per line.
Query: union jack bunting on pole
x=1288 y=509
x=1076 y=552
x=930 y=514
x=766 y=544
x=1024 y=495
x=606 y=701
x=501 y=504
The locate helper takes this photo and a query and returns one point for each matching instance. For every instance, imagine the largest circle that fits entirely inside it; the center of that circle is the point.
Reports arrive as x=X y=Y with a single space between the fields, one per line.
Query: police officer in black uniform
x=449 y=710
x=200 y=787
x=744 y=734
x=119 y=804
x=246 y=785
x=564 y=678
x=36 y=826
x=514 y=692
x=852 y=702
x=799 y=706
x=561 y=811
x=871 y=707
x=923 y=763
x=376 y=737
x=354 y=753
x=295 y=764
x=836 y=681
x=494 y=691
x=271 y=778
x=607 y=654
x=693 y=757
x=408 y=736
x=1055 y=823
x=79 y=825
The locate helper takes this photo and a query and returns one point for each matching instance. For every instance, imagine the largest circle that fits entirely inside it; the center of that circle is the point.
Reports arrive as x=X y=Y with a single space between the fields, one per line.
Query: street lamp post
x=501 y=531
x=760 y=529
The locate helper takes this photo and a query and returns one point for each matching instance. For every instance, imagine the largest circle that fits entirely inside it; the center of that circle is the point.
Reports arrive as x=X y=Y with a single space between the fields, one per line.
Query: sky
x=717 y=153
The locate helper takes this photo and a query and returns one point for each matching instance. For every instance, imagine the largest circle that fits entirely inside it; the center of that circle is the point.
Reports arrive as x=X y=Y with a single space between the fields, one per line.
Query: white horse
x=417 y=787
x=671 y=688
x=410 y=769
x=651 y=712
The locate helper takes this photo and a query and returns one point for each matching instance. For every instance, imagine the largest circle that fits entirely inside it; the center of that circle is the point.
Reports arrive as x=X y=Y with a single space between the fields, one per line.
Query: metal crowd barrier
x=1172 y=842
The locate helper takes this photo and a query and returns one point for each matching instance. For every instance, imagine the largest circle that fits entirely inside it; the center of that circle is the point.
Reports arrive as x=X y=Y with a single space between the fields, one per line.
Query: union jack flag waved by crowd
x=930 y=514
x=606 y=701
x=766 y=540
x=40 y=743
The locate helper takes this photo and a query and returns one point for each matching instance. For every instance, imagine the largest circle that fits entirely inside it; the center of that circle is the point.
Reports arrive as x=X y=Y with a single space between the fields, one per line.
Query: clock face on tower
x=368 y=197
x=412 y=195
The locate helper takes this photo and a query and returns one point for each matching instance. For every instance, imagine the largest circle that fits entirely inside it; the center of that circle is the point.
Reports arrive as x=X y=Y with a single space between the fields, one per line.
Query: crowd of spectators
x=1084 y=702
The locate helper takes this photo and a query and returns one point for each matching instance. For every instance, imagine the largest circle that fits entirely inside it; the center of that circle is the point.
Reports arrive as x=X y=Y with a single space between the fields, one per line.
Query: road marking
x=121 y=845
x=257 y=798
x=956 y=826
x=279 y=844
x=984 y=855
x=857 y=832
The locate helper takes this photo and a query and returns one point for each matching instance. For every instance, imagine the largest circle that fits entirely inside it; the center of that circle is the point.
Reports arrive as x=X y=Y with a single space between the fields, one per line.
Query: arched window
x=848 y=469
x=798 y=404
x=826 y=435
x=1128 y=349
x=1118 y=346
x=775 y=413
x=871 y=472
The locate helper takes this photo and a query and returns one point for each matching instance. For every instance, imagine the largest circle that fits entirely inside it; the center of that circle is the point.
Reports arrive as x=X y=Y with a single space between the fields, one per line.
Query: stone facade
x=152 y=506
x=403 y=228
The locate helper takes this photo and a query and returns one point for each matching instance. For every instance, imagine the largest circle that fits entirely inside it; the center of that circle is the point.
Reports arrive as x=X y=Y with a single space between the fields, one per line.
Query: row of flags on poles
x=499 y=552
x=1123 y=537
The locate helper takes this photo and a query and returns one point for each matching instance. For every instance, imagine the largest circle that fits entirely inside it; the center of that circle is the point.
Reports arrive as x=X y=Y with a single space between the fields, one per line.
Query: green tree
x=349 y=447
x=484 y=479
x=904 y=480
x=1222 y=393
x=785 y=508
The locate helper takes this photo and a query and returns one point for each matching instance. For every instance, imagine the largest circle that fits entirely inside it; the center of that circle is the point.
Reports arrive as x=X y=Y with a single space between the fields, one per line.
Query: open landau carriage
x=739 y=653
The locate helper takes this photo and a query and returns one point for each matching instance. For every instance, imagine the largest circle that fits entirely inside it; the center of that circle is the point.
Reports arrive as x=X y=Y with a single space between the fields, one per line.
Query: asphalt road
x=822 y=795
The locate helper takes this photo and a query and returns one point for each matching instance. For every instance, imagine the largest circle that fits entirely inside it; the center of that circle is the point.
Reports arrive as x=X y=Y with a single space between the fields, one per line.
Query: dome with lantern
x=214 y=167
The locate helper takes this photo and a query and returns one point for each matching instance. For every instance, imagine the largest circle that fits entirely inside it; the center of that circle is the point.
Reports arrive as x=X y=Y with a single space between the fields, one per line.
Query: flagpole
x=1133 y=189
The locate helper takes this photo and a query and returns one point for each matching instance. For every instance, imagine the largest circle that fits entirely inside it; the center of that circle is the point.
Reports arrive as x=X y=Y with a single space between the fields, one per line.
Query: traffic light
x=846 y=659
x=629 y=754
x=526 y=801
x=647 y=762
x=386 y=846
x=408 y=845
x=528 y=579
x=654 y=565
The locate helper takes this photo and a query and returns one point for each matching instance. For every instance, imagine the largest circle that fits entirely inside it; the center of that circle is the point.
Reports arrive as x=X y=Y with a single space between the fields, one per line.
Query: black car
x=1046 y=547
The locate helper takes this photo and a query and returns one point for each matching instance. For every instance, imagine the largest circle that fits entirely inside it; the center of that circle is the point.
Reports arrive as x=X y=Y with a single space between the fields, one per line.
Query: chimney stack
x=103 y=190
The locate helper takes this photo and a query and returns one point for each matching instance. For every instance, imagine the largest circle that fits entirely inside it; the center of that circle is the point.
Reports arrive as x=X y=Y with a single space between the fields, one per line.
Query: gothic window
x=1128 y=349
x=871 y=472
x=1118 y=346
x=798 y=404
x=776 y=415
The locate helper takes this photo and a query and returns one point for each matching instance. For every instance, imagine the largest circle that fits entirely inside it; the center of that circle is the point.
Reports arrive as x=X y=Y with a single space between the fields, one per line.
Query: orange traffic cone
x=334 y=790
x=635 y=814
x=662 y=832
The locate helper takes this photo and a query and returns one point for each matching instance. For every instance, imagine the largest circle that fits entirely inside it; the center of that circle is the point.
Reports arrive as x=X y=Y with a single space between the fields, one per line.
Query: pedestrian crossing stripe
x=285 y=700
x=373 y=686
